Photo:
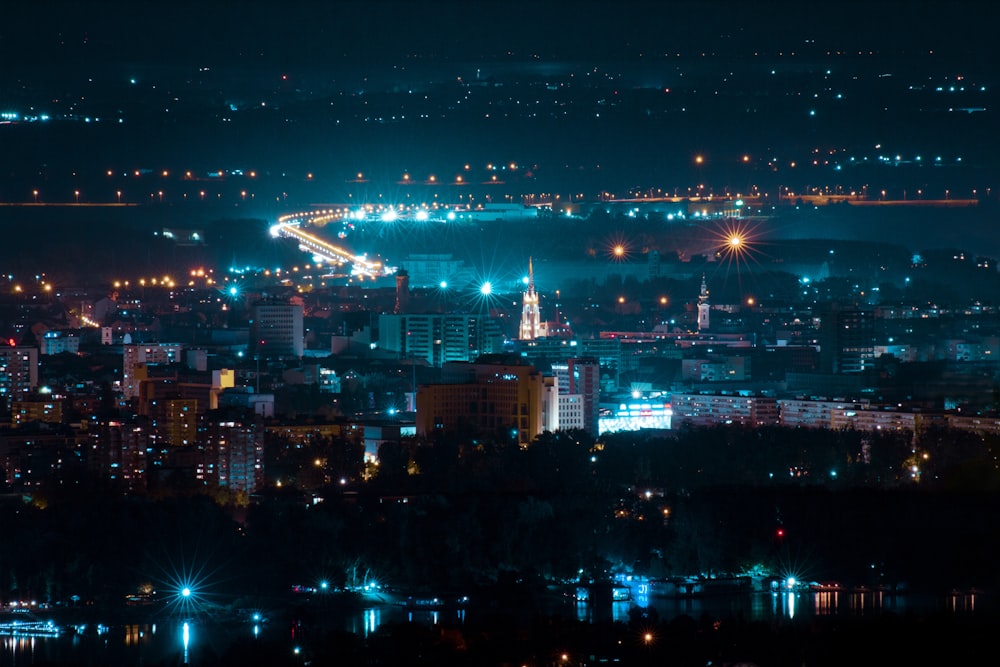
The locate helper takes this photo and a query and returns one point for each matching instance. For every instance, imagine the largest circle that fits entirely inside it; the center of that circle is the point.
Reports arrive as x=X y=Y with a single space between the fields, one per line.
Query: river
x=201 y=639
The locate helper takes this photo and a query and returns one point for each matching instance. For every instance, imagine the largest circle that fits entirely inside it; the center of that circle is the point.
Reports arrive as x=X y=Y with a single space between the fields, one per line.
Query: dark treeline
x=467 y=515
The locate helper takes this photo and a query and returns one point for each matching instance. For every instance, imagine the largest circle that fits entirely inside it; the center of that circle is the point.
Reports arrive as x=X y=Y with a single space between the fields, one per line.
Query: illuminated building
x=402 y=291
x=713 y=409
x=175 y=420
x=847 y=340
x=438 y=339
x=276 y=330
x=876 y=420
x=637 y=412
x=532 y=326
x=496 y=397
x=36 y=409
x=138 y=357
x=18 y=371
x=809 y=413
x=57 y=342
x=579 y=382
x=377 y=434
x=237 y=451
x=31 y=457
x=703 y=306
x=202 y=387
x=121 y=452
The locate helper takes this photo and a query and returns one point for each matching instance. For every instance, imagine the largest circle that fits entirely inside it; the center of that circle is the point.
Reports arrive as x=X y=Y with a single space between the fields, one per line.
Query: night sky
x=594 y=96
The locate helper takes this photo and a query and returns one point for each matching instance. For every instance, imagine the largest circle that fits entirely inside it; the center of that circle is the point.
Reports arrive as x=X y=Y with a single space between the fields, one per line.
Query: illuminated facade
x=651 y=412
x=579 y=384
x=57 y=342
x=18 y=371
x=713 y=409
x=703 y=306
x=238 y=453
x=137 y=357
x=497 y=398
x=42 y=409
x=437 y=338
x=532 y=326
x=807 y=413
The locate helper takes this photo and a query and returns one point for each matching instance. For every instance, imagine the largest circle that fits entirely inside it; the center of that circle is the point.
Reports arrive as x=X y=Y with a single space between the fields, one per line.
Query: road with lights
x=290 y=226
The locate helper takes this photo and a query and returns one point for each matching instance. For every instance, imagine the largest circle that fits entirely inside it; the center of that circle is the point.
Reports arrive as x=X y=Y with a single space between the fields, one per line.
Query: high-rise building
x=174 y=420
x=402 y=291
x=276 y=330
x=18 y=372
x=122 y=452
x=847 y=340
x=498 y=397
x=238 y=452
x=585 y=382
x=437 y=338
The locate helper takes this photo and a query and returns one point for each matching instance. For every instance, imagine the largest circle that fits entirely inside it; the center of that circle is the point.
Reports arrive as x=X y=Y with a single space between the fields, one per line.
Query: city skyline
x=537 y=333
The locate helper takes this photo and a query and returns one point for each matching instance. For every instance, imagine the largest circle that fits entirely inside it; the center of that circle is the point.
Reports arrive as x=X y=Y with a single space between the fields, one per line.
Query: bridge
x=291 y=226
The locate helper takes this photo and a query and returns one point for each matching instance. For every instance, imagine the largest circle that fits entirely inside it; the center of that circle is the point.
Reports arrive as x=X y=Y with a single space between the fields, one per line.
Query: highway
x=290 y=226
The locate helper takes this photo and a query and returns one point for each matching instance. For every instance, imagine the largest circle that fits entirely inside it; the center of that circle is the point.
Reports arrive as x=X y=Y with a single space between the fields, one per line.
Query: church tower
x=531 y=322
x=703 y=306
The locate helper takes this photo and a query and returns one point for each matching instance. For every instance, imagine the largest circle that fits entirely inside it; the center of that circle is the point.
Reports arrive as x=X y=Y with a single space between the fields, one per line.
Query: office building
x=276 y=330
x=496 y=396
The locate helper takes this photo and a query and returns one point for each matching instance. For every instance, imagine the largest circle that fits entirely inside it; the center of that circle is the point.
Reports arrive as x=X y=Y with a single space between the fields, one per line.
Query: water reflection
x=178 y=642
x=962 y=601
x=186 y=639
x=826 y=603
x=369 y=620
x=587 y=613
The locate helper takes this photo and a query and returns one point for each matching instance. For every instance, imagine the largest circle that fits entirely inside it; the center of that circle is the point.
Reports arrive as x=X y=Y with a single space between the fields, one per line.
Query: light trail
x=290 y=226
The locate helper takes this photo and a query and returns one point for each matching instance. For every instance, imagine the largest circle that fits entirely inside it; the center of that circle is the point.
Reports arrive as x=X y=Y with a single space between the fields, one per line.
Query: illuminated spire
x=703 y=307
x=531 y=319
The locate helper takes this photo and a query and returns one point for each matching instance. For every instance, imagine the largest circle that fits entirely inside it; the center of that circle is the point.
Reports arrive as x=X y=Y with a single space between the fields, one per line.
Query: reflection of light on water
x=962 y=602
x=641 y=593
x=136 y=634
x=256 y=630
x=783 y=604
x=825 y=603
x=186 y=634
x=619 y=611
x=20 y=646
x=582 y=611
x=373 y=618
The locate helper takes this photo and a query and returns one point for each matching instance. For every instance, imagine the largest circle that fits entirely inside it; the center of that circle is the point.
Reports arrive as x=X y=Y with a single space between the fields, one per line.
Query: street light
x=35 y=194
